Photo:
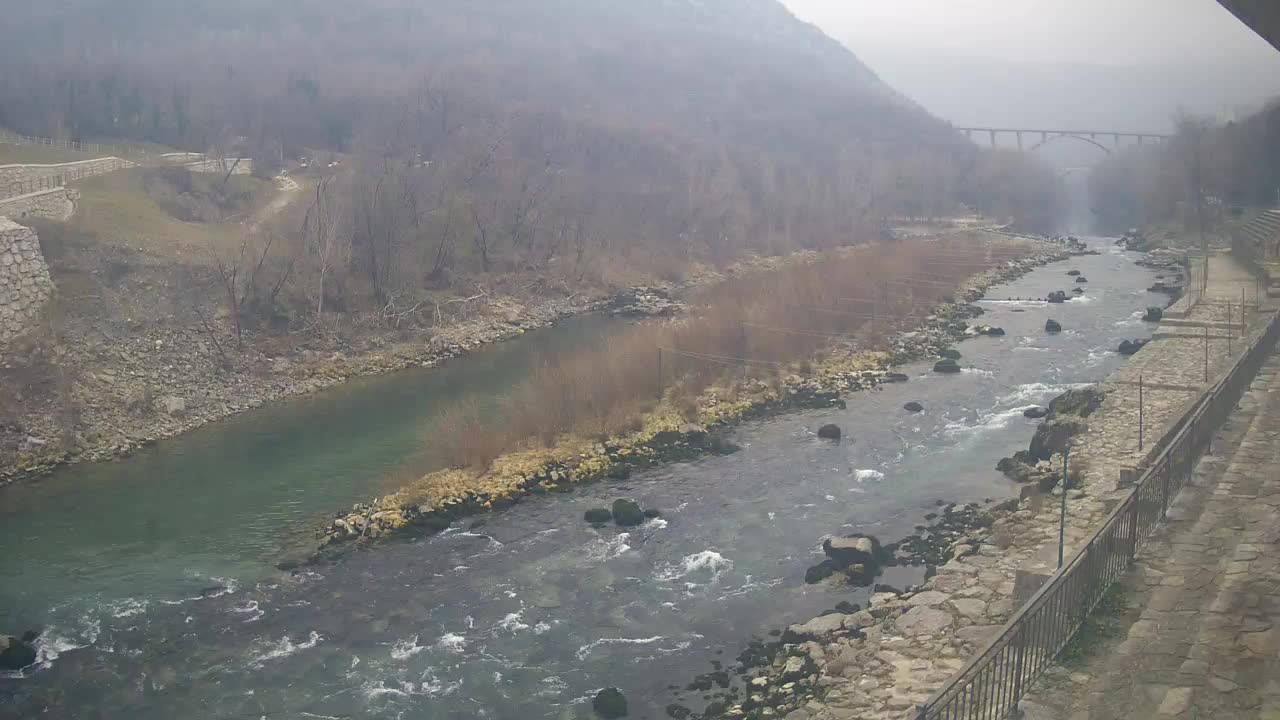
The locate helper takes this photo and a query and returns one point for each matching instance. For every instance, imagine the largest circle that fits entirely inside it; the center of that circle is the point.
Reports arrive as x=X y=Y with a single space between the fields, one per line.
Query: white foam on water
x=52 y=643
x=541 y=628
x=1082 y=300
x=707 y=560
x=655 y=523
x=830 y=498
x=249 y=607
x=590 y=647
x=977 y=371
x=986 y=423
x=452 y=642
x=1031 y=392
x=555 y=687
x=608 y=548
x=512 y=623
x=866 y=474
x=405 y=649
x=284 y=647
x=129 y=607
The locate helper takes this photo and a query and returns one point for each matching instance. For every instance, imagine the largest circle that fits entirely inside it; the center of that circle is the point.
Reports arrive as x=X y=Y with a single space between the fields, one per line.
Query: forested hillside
x=1228 y=165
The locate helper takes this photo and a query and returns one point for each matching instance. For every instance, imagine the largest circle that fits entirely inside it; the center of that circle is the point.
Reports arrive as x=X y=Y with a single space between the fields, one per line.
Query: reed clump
x=761 y=326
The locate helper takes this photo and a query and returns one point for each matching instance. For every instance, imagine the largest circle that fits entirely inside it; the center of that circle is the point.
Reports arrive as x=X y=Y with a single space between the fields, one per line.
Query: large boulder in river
x=913 y=407
x=627 y=513
x=1130 y=347
x=1054 y=436
x=859 y=549
x=597 y=516
x=1016 y=470
x=610 y=703
x=15 y=654
x=1082 y=279
x=1078 y=401
x=947 y=366
x=949 y=354
x=829 y=432
x=1153 y=314
x=1073 y=273
x=1057 y=296
x=1052 y=326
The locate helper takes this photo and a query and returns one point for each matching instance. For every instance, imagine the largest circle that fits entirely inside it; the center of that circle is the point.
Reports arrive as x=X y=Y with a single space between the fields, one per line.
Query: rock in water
x=1130 y=347
x=1035 y=413
x=829 y=432
x=15 y=654
x=946 y=366
x=1078 y=401
x=1078 y=291
x=855 y=549
x=1054 y=436
x=819 y=572
x=1057 y=296
x=1052 y=326
x=914 y=407
x=1154 y=314
x=1082 y=279
x=597 y=516
x=1073 y=272
x=627 y=513
x=610 y=703
x=949 y=354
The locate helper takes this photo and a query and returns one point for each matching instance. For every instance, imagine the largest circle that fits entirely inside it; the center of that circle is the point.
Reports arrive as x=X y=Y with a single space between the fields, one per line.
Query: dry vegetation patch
x=831 y=314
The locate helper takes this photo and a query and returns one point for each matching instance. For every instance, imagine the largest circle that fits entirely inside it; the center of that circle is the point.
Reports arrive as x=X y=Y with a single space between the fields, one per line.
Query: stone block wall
x=55 y=204
x=25 y=179
x=25 y=285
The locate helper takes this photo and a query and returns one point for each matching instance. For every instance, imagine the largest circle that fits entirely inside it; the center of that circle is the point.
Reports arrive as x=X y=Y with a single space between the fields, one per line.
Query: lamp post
x=1062 y=516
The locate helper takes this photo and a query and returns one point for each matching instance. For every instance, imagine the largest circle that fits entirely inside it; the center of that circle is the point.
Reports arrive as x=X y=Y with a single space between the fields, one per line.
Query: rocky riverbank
x=431 y=503
x=880 y=662
x=105 y=388
x=160 y=381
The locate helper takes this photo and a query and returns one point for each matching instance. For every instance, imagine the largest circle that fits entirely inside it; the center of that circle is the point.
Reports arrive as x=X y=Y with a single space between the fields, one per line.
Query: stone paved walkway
x=1204 y=597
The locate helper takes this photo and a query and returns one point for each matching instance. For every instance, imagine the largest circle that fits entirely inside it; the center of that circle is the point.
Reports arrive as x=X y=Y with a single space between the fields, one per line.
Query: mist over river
x=158 y=601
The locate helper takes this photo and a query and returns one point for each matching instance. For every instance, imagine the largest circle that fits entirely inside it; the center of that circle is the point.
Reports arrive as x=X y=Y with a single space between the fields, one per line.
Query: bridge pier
x=1018 y=134
x=993 y=138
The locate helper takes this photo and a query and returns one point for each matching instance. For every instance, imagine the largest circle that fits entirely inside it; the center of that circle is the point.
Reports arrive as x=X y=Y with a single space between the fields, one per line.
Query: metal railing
x=992 y=682
x=118 y=149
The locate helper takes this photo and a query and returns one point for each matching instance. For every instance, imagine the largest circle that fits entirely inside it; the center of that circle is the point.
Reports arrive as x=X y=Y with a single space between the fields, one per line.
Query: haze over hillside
x=767 y=131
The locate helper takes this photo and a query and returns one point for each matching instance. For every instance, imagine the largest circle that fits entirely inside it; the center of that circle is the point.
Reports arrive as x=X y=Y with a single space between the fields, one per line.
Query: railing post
x=1019 y=665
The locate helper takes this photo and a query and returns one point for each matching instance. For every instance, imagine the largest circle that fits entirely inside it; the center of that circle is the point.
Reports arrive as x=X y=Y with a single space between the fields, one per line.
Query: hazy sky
x=1095 y=64
x=1094 y=31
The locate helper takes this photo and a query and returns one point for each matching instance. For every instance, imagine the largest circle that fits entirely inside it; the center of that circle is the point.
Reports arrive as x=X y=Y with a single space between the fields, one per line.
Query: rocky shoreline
x=879 y=662
x=156 y=381
x=666 y=435
x=191 y=401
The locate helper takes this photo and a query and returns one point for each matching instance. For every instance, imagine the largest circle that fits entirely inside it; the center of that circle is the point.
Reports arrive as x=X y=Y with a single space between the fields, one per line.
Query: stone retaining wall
x=25 y=179
x=55 y=204
x=25 y=284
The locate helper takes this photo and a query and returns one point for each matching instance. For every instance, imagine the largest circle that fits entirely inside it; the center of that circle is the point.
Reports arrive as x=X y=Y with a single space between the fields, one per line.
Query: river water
x=528 y=613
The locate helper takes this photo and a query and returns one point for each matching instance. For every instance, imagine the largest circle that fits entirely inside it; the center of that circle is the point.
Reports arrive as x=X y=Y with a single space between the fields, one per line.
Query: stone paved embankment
x=1198 y=635
x=879 y=663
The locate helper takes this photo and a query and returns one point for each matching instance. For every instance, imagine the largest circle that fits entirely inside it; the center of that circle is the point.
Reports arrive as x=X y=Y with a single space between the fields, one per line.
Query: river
x=530 y=611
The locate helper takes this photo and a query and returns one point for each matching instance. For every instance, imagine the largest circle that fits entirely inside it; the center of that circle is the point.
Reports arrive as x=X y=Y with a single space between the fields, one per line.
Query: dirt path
x=288 y=188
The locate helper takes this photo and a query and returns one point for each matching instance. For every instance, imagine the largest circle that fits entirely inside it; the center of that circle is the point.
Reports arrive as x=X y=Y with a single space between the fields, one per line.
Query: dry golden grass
x=760 y=326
